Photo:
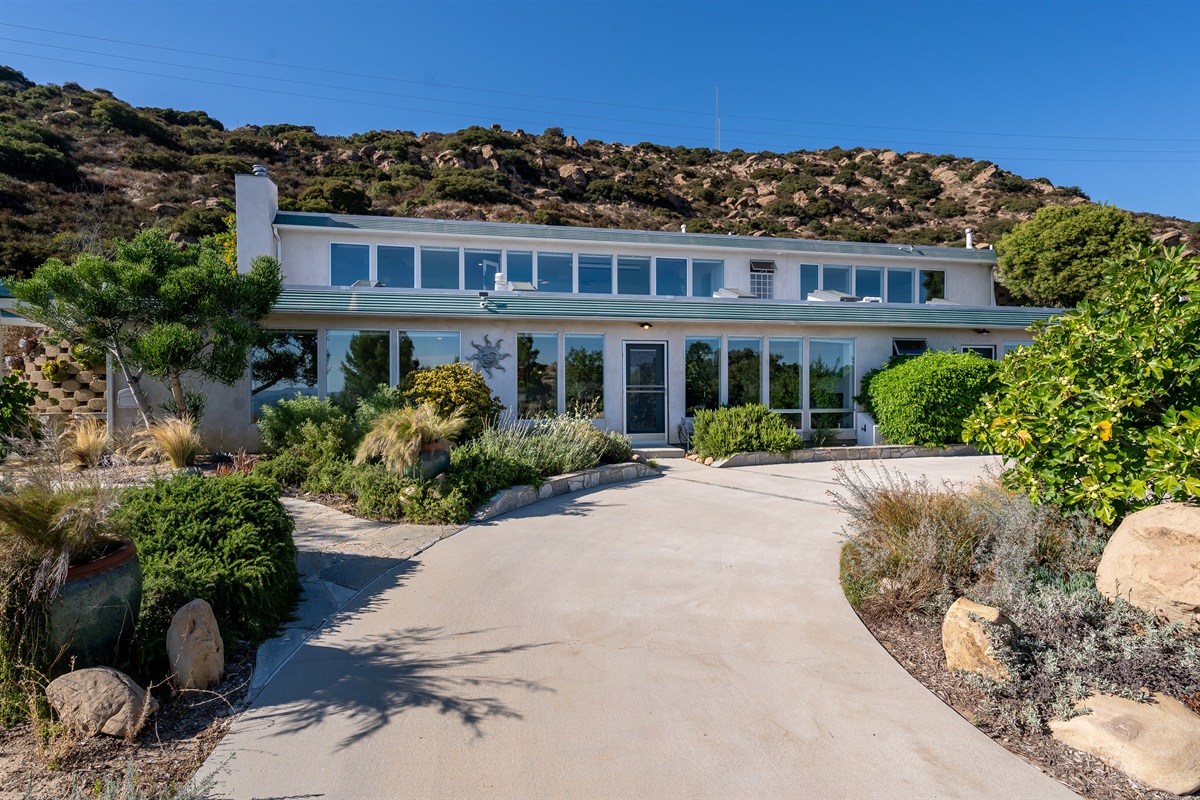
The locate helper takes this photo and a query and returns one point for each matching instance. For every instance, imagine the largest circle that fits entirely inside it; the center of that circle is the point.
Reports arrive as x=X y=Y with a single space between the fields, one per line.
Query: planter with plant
x=56 y=371
x=414 y=441
x=89 y=357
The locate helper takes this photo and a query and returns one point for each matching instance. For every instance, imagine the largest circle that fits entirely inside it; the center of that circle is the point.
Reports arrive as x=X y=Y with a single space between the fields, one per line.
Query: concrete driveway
x=683 y=636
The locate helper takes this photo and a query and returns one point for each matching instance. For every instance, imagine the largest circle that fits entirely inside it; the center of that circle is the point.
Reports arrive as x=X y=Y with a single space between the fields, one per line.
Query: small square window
x=985 y=350
x=908 y=347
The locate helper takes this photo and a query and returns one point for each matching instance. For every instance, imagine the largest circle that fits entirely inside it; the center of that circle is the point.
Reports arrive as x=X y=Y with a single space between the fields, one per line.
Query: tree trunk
x=181 y=408
x=135 y=386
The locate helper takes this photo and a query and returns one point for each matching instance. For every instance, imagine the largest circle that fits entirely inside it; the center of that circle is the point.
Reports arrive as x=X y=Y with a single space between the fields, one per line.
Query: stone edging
x=841 y=454
x=521 y=496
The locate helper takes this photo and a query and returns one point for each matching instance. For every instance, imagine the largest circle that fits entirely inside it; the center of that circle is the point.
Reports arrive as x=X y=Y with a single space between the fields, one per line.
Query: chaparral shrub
x=742 y=429
x=227 y=540
x=279 y=426
x=452 y=386
x=1102 y=412
x=925 y=400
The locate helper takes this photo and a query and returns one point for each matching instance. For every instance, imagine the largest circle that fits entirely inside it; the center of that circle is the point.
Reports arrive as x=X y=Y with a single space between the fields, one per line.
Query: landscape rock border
x=521 y=496
x=855 y=453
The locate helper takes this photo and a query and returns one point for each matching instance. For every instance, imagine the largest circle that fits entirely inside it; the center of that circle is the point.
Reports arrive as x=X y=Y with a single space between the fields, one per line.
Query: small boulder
x=966 y=642
x=101 y=700
x=1153 y=561
x=194 y=647
x=1156 y=743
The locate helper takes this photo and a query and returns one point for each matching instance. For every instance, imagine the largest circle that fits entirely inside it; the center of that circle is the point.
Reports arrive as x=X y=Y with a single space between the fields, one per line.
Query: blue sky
x=1101 y=95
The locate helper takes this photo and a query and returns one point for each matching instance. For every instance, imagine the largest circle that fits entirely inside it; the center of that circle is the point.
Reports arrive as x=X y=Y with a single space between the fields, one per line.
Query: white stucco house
x=641 y=328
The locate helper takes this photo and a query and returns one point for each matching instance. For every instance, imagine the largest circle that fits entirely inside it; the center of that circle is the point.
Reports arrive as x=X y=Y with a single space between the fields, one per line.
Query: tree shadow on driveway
x=376 y=678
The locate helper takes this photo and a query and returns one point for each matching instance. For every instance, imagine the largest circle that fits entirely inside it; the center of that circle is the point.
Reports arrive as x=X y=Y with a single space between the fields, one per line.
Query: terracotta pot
x=435 y=459
x=94 y=614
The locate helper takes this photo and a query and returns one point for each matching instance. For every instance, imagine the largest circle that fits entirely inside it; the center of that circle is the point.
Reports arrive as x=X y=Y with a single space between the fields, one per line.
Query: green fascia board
x=554 y=233
x=569 y=307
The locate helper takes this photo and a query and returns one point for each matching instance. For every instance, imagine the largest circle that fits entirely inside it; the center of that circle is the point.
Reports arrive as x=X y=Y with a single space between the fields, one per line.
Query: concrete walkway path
x=682 y=636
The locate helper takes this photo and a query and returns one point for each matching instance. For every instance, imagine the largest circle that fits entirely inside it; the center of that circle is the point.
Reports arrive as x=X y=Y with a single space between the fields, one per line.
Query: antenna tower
x=718 y=112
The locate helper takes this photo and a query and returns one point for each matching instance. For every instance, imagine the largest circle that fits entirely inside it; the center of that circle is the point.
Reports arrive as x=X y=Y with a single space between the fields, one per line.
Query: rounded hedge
x=742 y=429
x=452 y=386
x=925 y=400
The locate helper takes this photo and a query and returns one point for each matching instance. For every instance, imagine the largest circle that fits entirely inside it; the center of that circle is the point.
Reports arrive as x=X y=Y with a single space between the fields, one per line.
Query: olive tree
x=1102 y=412
x=1058 y=257
x=156 y=309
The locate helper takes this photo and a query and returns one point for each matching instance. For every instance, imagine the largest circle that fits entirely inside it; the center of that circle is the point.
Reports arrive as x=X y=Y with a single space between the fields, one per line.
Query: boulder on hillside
x=195 y=650
x=1156 y=743
x=1153 y=561
x=966 y=640
x=101 y=700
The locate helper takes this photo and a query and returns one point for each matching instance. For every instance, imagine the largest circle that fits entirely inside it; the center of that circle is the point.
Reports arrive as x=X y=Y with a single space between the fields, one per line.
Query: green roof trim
x=531 y=306
x=348 y=222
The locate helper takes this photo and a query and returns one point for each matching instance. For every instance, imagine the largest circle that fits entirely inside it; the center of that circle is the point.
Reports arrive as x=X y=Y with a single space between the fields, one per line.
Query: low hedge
x=742 y=429
x=227 y=540
x=925 y=400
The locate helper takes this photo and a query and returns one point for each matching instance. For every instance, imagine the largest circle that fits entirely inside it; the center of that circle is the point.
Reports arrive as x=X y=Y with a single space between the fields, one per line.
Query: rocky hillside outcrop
x=79 y=167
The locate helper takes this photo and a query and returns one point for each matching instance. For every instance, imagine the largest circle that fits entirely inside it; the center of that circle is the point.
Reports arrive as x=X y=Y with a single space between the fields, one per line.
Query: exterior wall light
x=646 y=326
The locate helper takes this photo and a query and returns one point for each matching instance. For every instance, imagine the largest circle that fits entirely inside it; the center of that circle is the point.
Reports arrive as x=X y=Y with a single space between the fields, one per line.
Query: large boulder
x=101 y=700
x=1156 y=743
x=194 y=647
x=1153 y=561
x=966 y=640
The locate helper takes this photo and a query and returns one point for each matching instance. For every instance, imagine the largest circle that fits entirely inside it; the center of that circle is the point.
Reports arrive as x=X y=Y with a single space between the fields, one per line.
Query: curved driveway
x=683 y=636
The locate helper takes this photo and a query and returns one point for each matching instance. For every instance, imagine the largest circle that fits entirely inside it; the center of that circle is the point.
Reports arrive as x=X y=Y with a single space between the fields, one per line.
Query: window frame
x=421 y=268
x=370 y=262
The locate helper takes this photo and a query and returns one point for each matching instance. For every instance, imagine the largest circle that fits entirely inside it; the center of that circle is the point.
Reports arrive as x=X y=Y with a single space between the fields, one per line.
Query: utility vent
x=522 y=286
x=362 y=284
x=727 y=292
x=832 y=296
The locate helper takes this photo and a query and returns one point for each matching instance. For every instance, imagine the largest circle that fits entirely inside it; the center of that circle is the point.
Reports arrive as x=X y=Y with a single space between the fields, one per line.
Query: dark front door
x=646 y=391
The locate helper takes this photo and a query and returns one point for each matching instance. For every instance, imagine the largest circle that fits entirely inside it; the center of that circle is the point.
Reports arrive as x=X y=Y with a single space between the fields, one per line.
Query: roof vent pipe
x=970 y=238
x=683 y=228
x=259 y=170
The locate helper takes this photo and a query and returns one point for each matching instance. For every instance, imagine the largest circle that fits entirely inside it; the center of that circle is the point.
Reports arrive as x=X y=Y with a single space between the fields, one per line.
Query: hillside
x=78 y=167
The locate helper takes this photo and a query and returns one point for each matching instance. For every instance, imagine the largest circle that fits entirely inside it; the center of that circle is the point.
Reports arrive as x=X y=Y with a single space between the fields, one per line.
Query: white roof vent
x=832 y=296
x=259 y=170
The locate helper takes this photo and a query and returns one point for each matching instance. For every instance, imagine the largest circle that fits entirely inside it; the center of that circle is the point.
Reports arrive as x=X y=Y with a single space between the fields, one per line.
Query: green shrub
x=226 y=540
x=452 y=386
x=225 y=165
x=153 y=161
x=335 y=197
x=469 y=186
x=925 y=400
x=279 y=426
x=315 y=452
x=617 y=448
x=115 y=115
x=1102 y=412
x=35 y=161
x=742 y=429
x=16 y=408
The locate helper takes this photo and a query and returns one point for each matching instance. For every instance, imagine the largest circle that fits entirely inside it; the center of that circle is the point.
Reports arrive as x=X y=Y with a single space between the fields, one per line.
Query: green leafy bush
x=335 y=197
x=452 y=386
x=617 y=448
x=280 y=425
x=469 y=186
x=742 y=429
x=227 y=540
x=16 y=408
x=1102 y=412
x=925 y=400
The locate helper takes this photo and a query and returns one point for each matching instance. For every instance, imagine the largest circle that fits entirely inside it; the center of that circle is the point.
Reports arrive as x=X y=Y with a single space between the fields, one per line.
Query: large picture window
x=439 y=268
x=595 y=274
x=356 y=362
x=537 y=374
x=349 y=263
x=837 y=279
x=396 y=266
x=633 y=275
x=426 y=350
x=520 y=266
x=670 y=276
x=831 y=382
x=480 y=268
x=933 y=285
x=745 y=371
x=899 y=285
x=584 y=373
x=285 y=367
x=707 y=277
x=868 y=282
x=554 y=272
x=785 y=372
x=810 y=279
x=702 y=357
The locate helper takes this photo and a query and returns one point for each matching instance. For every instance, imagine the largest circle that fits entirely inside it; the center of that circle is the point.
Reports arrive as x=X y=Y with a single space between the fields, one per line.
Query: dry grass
x=86 y=441
x=398 y=435
x=177 y=440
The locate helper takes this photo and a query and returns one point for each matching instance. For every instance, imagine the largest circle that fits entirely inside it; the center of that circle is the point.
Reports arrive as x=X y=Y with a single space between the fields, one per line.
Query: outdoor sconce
x=646 y=326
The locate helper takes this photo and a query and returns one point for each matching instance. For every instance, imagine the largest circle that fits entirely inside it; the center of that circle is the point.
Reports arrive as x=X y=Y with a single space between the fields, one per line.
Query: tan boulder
x=1153 y=561
x=101 y=700
x=966 y=642
x=195 y=650
x=1156 y=743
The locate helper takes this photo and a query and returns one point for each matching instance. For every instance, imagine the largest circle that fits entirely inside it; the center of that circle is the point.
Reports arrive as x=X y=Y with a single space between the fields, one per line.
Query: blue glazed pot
x=94 y=614
x=435 y=459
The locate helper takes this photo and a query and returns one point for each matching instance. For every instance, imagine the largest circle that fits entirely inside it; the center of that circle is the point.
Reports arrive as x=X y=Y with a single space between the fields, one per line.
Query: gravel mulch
x=917 y=646
x=172 y=746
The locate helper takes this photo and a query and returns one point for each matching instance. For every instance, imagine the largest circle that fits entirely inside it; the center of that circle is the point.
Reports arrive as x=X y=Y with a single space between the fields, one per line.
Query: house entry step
x=659 y=451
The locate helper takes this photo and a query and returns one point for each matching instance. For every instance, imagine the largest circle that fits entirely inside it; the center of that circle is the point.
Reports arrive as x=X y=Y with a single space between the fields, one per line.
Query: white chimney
x=970 y=238
x=257 y=201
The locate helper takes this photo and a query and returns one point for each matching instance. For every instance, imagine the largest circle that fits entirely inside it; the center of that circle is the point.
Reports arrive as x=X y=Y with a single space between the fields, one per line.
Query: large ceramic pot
x=96 y=609
x=435 y=459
